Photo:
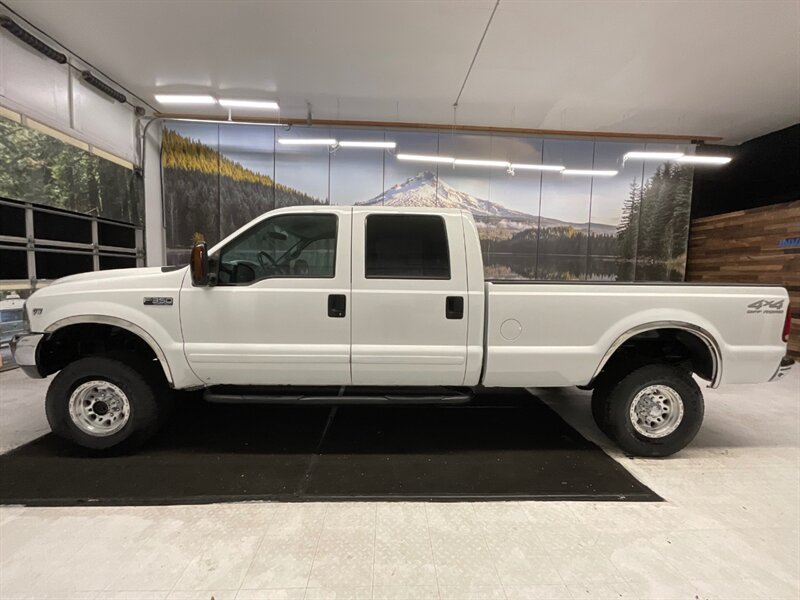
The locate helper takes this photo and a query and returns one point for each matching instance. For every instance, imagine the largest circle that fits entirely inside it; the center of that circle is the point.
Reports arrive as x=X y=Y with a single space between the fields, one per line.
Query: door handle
x=337 y=305
x=454 y=307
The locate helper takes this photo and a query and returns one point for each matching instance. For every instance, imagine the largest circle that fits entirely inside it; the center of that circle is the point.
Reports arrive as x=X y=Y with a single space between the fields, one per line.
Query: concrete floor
x=729 y=529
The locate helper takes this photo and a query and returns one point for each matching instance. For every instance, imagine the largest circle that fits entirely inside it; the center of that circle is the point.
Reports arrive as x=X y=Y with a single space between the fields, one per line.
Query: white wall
x=55 y=95
x=153 y=212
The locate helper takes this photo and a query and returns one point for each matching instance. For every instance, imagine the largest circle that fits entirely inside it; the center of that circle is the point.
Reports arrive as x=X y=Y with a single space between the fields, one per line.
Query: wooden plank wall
x=743 y=247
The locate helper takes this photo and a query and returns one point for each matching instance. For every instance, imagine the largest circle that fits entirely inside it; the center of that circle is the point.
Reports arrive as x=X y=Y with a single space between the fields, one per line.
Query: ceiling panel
x=729 y=69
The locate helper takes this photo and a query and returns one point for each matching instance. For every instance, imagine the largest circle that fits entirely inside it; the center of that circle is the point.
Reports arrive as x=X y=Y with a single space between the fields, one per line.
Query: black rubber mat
x=499 y=447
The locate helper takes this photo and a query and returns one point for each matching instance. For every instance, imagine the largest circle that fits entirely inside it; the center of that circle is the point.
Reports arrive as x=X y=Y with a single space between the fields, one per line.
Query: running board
x=333 y=395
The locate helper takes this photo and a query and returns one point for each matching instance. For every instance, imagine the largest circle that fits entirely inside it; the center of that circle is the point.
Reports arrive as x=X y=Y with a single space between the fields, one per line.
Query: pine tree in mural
x=628 y=226
x=655 y=223
x=218 y=194
x=681 y=214
x=41 y=169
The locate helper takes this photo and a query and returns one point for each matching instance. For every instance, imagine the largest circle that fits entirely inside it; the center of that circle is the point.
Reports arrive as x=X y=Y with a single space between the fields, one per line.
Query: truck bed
x=558 y=334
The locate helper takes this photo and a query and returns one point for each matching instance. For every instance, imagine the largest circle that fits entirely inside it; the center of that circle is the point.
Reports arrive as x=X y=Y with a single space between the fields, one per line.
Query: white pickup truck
x=356 y=304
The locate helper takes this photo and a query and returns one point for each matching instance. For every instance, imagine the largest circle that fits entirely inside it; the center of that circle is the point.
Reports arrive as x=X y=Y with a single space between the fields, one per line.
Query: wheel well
x=671 y=345
x=69 y=343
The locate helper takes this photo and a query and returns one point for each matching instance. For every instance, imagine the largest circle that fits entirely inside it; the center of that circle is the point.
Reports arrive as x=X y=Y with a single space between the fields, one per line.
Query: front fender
x=122 y=324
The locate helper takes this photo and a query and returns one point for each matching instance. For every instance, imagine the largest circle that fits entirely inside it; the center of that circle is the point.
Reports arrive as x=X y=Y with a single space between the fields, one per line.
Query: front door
x=409 y=298
x=280 y=311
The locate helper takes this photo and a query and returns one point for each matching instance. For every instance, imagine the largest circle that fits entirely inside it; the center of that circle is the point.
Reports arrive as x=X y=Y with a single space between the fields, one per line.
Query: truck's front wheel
x=655 y=410
x=101 y=402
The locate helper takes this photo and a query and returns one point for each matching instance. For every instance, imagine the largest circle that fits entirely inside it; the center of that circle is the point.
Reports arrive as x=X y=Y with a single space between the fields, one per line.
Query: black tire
x=141 y=383
x=612 y=374
x=615 y=405
x=599 y=401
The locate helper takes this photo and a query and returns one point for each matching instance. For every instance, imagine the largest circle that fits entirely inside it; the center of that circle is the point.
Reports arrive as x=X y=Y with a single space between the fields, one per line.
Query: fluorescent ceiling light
x=592 y=172
x=653 y=155
x=470 y=162
x=424 y=158
x=525 y=167
x=185 y=99
x=703 y=159
x=365 y=144
x=233 y=103
x=307 y=142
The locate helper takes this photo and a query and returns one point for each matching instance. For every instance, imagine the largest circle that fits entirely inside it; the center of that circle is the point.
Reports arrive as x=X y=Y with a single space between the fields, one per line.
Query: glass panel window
x=285 y=246
x=11 y=315
x=406 y=247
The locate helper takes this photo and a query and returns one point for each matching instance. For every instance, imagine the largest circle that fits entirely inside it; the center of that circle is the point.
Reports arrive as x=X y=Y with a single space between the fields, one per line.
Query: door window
x=285 y=246
x=406 y=247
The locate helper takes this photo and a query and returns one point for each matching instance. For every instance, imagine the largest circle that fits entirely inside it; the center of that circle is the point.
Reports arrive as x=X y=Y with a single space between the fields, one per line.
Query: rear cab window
x=406 y=247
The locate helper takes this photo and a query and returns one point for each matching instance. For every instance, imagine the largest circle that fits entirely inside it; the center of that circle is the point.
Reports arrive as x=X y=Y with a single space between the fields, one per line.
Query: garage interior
x=606 y=141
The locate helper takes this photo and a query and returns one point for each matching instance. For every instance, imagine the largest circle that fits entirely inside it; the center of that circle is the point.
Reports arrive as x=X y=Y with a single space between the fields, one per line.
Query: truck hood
x=125 y=294
x=149 y=281
x=118 y=292
x=98 y=277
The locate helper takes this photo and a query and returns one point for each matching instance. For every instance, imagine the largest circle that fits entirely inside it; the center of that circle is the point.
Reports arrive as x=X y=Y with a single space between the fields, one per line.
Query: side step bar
x=344 y=395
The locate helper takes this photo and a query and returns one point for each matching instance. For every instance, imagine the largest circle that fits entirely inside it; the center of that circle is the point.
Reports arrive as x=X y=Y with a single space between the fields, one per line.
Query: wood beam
x=668 y=137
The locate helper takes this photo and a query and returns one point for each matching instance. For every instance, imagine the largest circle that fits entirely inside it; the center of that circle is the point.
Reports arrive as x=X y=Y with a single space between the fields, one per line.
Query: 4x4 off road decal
x=765 y=307
x=157 y=301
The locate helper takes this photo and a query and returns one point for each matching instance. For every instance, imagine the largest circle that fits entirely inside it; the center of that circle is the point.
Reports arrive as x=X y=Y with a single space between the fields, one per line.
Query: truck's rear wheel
x=610 y=377
x=100 y=402
x=599 y=402
x=655 y=410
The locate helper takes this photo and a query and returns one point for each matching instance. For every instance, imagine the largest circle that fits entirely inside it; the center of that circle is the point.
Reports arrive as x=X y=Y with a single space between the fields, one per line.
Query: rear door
x=409 y=321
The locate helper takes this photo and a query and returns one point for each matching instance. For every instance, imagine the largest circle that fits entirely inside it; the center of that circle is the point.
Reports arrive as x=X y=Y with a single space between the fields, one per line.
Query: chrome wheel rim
x=656 y=411
x=99 y=408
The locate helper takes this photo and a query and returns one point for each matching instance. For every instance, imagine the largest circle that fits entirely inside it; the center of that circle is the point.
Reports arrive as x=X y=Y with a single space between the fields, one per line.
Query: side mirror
x=199 y=264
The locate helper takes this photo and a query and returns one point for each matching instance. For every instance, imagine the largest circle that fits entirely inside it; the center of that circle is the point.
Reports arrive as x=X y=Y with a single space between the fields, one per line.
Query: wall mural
x=37 y=168
x=533 y=224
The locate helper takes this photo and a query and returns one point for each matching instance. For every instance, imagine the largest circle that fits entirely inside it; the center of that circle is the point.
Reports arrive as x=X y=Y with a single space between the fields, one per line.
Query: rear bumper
x=783 y=368
x=24 y=349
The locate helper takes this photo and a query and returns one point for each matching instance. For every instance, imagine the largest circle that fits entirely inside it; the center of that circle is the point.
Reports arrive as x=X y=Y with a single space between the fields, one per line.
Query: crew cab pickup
x=364 y=304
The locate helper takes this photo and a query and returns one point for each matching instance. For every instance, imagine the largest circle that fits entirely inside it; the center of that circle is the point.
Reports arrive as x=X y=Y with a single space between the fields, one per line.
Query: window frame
x=440 y=218
x=216 y=258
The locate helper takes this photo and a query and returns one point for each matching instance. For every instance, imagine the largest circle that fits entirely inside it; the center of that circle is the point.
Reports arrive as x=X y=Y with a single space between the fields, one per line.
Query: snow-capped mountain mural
x=423 y=190
x=630 y=227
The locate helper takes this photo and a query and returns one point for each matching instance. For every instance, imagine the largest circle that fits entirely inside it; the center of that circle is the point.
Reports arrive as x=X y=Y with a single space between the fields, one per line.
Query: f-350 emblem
x=158 y=301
